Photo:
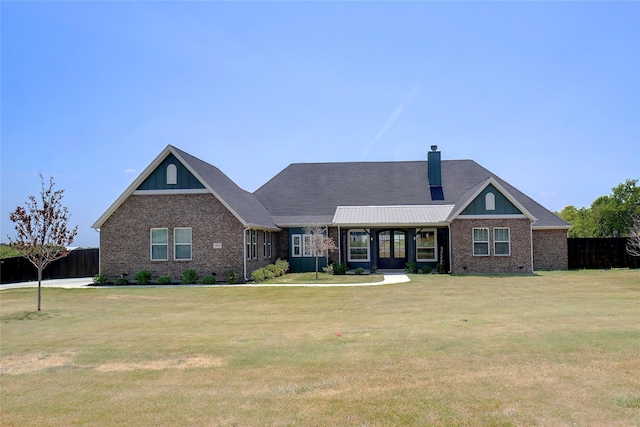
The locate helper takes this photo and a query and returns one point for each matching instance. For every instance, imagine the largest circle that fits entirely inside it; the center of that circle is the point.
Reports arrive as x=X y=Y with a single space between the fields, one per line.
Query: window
x=159 y=244
x=172 y=174
x=296 y=245
x=481 y=242
x=490 y=202
x=501 y=242
x=251 y=239
x=182 y=244
x=247 y=242
x=307 y=245
x=358 y=245
x=266 y=245
x=426 y=245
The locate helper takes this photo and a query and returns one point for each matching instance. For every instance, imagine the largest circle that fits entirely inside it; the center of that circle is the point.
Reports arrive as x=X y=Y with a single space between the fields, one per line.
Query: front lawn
x=554 y=349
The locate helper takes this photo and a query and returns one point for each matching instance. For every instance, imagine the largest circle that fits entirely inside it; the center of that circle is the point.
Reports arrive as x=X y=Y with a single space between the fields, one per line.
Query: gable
x=502 y=205
x=157 y=180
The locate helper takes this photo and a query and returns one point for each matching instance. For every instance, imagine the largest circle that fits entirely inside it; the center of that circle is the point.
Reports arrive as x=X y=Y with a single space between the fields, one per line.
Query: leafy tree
x=318 y=242
x=609 y=216
x=41 y=229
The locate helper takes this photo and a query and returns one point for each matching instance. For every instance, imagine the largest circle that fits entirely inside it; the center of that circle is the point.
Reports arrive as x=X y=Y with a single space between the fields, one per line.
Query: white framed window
x=172 y=174
x=182 y=243
x=266 y=245
x=247 y=242
x=358 y=246
x=480 y=242
x=501 y=241
x=490 y=202
x=159 y=244
x=296 y=245
x=426 y=245
x=307 y=245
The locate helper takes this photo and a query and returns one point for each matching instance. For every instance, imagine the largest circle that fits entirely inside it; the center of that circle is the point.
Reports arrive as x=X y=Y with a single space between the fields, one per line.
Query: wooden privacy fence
x=600 y=253
x=79 y=263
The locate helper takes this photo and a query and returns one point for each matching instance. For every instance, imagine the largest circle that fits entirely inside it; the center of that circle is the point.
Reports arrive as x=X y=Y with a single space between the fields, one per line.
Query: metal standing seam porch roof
x=407 y=215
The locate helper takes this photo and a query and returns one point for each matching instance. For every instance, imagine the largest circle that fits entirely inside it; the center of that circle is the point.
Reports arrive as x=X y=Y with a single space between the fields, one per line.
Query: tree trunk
x=316 y=267
x=39 y=283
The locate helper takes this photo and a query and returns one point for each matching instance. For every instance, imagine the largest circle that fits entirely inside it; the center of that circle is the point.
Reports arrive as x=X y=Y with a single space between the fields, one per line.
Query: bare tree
x=41 y=229
x=633 y=241
x=317 y=241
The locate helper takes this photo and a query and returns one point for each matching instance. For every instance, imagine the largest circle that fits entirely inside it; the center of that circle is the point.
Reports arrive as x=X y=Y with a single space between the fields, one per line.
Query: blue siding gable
x=502 y=205
x=157 y=180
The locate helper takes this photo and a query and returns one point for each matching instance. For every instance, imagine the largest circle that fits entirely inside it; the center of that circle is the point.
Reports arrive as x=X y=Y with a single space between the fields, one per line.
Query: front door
x=392 y=249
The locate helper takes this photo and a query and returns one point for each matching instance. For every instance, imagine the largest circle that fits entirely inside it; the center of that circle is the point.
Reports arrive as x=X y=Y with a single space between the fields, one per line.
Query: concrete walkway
x=84 y=282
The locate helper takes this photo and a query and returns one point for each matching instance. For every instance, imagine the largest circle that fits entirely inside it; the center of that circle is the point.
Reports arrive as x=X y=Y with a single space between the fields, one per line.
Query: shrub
x=411 y=267
x=426 y=269
x=258 y=275
x=328 y=269
x=359 y=270
x=100 y=279
x=262 y=274
x=440 y=268
x=143 y=277
x=340 y=269
x=164 y=280
x=121 y=281
x=282 y=265
x=209 y=280
x=189 y=277
x=231 y=276
x=277 y=271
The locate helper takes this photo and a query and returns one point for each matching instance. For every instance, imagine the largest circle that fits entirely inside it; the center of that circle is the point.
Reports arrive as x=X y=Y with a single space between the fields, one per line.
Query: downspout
x=339 y=245
x=450 y=249
x=244 y=251
x=531 y=243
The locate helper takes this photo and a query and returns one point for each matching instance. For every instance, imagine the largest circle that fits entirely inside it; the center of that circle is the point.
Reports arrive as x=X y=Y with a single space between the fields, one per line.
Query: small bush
x=258 y=275
x=209 y=280
x=164 y=280
x=282 y=265
x=262 y=274
x=426 y=269
x=328 y=269
x=359 y=270
x=100 y=279
x=277 y=271
x=121 y=281
x=189 y=277
x=143 y=277
x=440 y=268
x=411 y=267
x=340 y=269
x=231 y=276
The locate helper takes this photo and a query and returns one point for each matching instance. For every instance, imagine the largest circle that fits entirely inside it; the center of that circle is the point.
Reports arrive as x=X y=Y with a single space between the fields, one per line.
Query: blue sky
x=544 y=94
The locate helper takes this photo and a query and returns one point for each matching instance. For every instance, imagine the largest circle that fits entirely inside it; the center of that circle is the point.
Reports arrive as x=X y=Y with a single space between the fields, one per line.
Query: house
x=183 y=213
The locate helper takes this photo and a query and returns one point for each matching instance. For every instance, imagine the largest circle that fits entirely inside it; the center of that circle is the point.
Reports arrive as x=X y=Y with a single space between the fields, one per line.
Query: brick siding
x=550 y=250
x=125 y=237
x=462 y=247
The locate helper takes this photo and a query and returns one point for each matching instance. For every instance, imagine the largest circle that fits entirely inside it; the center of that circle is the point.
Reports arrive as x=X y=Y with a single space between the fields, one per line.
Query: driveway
x=83 y=282
x=53 y=283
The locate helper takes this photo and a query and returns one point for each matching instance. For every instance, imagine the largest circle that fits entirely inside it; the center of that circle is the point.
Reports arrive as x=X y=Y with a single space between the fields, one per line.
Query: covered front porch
x=390 y=237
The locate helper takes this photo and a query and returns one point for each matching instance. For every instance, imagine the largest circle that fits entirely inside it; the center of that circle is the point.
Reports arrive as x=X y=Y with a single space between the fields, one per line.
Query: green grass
x=555 y=349
x=323 y=278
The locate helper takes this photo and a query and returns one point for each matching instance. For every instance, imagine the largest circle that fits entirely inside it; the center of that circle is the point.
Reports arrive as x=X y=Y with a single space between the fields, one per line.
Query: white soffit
x=392 y=215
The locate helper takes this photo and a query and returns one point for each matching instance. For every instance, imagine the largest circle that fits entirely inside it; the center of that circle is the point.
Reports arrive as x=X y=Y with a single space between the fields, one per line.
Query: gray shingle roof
x=244 y=204
x=307 y=189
